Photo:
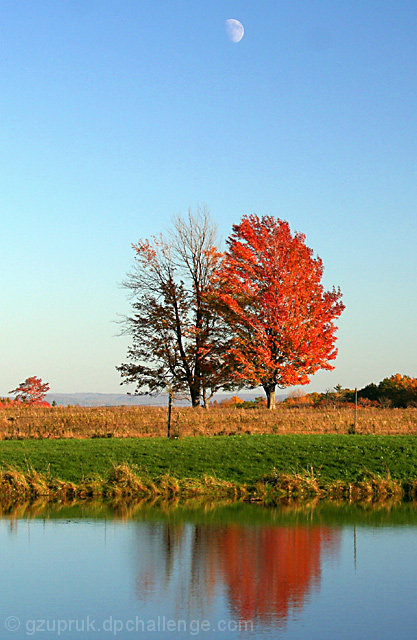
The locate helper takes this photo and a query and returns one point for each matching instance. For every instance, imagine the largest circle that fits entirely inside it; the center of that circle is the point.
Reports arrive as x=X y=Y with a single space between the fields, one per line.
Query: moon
x=234 y=30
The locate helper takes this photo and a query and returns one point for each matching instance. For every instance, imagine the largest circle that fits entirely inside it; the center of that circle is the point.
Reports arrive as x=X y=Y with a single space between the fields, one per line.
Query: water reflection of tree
x=266 y=571
x=269 y=571
x=160 y=546
x=174 y=564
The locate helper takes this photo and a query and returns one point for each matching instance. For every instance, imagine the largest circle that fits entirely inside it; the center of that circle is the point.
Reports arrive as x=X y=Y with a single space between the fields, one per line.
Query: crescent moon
x=234 y=30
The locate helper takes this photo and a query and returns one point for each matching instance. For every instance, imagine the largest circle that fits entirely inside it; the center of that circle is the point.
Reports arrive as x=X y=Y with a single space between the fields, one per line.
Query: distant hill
x=105 y=399
x=122 y=399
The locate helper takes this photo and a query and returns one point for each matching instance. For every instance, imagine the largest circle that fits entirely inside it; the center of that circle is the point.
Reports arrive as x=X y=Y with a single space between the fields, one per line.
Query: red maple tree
x=270 y=294
x=31 y=391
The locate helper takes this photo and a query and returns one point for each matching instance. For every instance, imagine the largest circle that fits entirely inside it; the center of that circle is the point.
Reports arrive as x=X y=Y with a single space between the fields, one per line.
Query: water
x=234 y=572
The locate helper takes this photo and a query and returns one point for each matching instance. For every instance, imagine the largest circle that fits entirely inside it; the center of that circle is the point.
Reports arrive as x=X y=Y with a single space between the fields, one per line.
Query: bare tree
x=176 y=335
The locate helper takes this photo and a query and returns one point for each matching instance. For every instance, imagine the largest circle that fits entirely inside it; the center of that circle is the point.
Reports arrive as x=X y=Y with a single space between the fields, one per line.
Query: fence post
x=356 y=410
x=170 y=394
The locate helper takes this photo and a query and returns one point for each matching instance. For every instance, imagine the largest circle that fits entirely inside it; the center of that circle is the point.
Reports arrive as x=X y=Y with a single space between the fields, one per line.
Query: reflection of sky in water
x=295 y=582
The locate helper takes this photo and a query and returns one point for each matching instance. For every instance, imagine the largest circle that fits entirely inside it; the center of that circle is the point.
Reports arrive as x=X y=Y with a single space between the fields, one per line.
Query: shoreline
x=124 y=483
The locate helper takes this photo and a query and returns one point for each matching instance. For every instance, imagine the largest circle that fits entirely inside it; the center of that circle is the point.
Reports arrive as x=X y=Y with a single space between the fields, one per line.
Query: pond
x=236 y=571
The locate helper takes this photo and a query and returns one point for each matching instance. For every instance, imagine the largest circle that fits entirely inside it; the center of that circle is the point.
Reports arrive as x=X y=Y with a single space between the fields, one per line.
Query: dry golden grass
x=82 y=422
x=124 y=483
x=121 y=482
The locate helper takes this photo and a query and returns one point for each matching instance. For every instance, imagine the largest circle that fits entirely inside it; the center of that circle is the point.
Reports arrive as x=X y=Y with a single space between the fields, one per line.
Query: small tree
x=270 y=294
x=31 y=391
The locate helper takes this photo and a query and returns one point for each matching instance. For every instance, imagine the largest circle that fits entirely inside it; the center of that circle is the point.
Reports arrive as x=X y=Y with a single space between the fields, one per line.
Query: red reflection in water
x=267 y=571
x=271 y=570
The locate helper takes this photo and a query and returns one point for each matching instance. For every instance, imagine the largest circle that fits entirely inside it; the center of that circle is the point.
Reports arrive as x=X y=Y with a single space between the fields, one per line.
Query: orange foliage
x=6 y=403
x=405 y=382
x=270 y=292
x=230 y=402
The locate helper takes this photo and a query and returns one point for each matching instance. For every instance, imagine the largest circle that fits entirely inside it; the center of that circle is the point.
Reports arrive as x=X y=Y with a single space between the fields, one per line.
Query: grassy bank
x=255 y=467
x=124 y=422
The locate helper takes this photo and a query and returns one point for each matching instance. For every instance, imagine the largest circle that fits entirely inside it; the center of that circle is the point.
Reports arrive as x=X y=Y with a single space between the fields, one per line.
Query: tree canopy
x=270 y=295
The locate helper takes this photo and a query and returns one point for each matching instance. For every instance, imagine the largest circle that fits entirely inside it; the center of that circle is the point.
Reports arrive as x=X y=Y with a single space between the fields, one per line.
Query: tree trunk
x=195 y=397
x=270 y=395
x=204 y=397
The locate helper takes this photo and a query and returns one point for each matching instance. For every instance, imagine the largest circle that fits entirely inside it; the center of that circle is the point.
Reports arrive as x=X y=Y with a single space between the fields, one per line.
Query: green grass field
x=241 y=459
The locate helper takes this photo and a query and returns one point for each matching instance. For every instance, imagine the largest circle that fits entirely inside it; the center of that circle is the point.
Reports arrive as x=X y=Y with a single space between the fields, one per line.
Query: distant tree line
x=398 y=391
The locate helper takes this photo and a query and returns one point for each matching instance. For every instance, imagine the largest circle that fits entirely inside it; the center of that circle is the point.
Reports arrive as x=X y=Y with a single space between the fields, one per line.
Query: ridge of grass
x=124 y=482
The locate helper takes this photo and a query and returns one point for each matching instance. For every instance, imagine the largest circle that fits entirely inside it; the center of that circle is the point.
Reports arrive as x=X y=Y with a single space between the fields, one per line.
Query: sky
x=117 y=115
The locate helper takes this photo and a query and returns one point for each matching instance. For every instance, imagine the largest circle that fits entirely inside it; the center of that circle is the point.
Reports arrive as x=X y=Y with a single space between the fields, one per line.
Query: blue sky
x=116 y=115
